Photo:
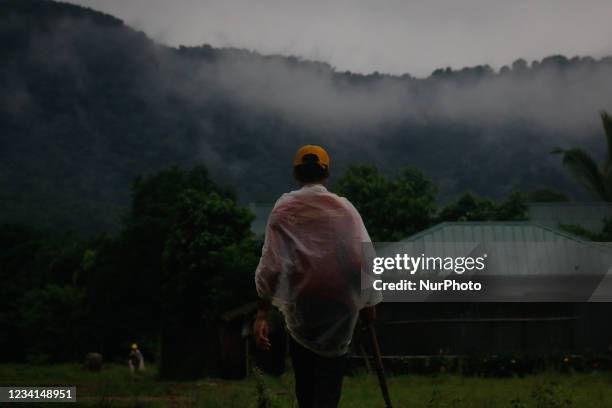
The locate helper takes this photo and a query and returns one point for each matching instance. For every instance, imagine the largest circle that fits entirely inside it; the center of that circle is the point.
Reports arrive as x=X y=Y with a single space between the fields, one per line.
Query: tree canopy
x=391 y=207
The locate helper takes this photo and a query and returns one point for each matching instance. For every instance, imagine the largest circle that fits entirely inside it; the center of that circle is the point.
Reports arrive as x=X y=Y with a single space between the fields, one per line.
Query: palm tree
x=598 y=179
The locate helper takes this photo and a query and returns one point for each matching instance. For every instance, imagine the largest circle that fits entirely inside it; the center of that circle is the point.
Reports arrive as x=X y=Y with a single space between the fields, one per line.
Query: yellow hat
x=134 y=346
x=320 y=156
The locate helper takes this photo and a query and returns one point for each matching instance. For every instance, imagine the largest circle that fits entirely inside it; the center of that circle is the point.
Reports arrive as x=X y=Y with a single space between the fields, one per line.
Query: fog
x=90 y=104
x=565 y=100
x=391 y=36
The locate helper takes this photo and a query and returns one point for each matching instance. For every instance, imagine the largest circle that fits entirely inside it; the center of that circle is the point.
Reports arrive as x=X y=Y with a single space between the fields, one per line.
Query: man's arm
x=264 y=282
x=261 y=327
x=266 y=278
x=268 y=269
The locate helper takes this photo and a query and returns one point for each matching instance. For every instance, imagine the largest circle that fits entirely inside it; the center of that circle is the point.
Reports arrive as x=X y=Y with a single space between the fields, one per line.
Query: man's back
x=311 y=267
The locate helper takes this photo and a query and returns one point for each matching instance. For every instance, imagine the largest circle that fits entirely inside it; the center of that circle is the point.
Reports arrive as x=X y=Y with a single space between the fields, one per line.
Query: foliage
x=52 y=323
x=395 y=208
x=208 y=261
x=119 y=279
x=127 y=270
x=546 y=195
x=597 y=179
x=392 y=208
x=31 y=259
x=469 y=207
x=605 y=235
x=209 y=257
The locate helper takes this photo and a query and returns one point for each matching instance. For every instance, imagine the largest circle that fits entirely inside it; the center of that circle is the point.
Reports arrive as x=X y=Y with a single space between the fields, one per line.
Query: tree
x=597 y=179
x=30 y=260
x=145 y=233
x=392 y=208
x=51 y=321
x=469 y=207
x=519 y=66
x=546 y=195
x=208 y=265
x=125 y=273
x=605 y=235
x=513 y=208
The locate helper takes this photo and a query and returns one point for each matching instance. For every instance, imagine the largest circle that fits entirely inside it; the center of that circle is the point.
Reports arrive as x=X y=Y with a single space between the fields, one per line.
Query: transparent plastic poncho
x=314 y=257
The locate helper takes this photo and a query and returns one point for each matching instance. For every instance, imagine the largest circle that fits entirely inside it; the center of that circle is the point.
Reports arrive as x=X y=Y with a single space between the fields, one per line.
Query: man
x=311 y=267
x=135 y=359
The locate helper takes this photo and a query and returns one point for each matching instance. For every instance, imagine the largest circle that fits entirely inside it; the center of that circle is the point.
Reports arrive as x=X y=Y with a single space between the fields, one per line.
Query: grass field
x=115 y=387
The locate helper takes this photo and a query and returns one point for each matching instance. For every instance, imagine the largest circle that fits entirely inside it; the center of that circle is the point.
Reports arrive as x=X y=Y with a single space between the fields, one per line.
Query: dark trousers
x=318 y=380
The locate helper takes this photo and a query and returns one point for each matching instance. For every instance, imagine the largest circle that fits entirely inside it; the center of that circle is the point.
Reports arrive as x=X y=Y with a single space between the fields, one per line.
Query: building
x=434 y=328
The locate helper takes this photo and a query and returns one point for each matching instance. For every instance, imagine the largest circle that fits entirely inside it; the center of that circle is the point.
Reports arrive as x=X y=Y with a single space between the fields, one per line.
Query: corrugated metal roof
x=491 y=231
x=512 y=248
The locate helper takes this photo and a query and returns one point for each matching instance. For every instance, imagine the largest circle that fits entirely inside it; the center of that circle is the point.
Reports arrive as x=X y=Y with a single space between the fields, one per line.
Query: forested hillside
x=87 y=103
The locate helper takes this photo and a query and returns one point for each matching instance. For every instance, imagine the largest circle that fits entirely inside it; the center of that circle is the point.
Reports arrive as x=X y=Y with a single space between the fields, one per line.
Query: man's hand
x=368 y=314
x=261 y=330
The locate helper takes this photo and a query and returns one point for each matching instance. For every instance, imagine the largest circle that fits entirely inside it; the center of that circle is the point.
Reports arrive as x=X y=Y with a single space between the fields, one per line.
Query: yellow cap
x=134 y=346
x=322 y=158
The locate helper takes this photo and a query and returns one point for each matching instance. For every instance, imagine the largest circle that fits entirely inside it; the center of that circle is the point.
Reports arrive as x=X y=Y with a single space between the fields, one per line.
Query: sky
x=388 y=36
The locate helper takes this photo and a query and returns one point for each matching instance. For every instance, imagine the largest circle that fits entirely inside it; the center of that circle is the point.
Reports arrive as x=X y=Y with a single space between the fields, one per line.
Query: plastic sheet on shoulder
x=313 y=261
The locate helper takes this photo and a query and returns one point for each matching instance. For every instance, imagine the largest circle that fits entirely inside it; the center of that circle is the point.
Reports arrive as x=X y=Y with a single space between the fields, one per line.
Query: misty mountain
x=87 y=103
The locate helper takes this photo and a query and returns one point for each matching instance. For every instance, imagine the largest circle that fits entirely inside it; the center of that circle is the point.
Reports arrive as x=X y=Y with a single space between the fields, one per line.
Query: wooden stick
x=380 y=371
